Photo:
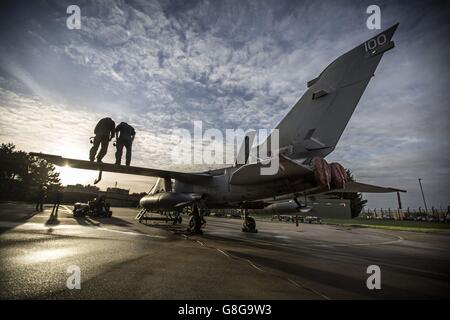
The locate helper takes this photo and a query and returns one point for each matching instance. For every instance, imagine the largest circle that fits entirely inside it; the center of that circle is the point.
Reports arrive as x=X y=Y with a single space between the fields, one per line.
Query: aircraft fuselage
x=219 y=193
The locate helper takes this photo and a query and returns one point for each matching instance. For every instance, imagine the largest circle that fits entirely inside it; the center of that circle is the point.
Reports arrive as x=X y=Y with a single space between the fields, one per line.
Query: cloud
x=161 y=65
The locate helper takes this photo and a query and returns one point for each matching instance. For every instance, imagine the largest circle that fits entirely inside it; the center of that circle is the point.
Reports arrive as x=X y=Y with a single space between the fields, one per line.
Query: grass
x=417 y=226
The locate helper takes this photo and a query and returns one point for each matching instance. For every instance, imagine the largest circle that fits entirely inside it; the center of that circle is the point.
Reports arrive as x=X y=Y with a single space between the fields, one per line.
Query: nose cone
x=148 y=201
x=142 y=201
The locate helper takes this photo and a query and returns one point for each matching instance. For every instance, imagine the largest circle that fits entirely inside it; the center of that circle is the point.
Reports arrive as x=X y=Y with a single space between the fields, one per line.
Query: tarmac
x=119 y=258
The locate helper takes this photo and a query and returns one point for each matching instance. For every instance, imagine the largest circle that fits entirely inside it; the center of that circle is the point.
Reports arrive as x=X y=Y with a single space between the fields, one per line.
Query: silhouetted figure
x=104 y=132
x=40 y=198
x=99 y=204
x=124 y=136
x=58 y=200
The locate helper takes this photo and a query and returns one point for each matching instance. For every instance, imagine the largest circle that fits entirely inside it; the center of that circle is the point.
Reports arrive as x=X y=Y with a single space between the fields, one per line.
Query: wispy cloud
x=162 y=65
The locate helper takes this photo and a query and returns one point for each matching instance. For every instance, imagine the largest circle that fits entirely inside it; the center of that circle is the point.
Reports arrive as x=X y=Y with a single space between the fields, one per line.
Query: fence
x=414 y=214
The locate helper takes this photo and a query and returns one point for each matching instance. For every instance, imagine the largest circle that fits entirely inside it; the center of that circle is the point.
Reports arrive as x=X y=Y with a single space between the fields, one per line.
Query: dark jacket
x=126 y=131
x=105 y=126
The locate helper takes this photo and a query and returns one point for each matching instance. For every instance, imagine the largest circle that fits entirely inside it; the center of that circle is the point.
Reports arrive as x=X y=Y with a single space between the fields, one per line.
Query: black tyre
x=195 y=224
x=249 y=225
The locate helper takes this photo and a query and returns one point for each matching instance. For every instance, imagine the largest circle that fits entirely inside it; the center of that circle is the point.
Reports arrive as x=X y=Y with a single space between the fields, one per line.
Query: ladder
x=141 y=214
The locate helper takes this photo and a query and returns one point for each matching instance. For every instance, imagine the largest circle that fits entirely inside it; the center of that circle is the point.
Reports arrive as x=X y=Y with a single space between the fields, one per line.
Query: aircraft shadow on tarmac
x=13 y=214
x=330 y=256
x=52 y=219
x=174 y=228
x=90 y=221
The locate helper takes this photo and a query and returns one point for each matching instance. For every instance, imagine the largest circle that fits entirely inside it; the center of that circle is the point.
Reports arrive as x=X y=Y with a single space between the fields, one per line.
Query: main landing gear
x=249 y=224
x=303 y=208
x=196 y=221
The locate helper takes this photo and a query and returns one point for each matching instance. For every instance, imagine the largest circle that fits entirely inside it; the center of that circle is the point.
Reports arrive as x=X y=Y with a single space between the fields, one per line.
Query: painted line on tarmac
x=364 y=244
x=42 y=227
x=324 y=245
x=35 y=226
x=67 y=209
x=308 y=288
x=30 y=226
x=131 y=233
x=369 y=244
x=229 y=255
x=201 y=243
x=315 y=247
x=253 y=265
x=223 y=252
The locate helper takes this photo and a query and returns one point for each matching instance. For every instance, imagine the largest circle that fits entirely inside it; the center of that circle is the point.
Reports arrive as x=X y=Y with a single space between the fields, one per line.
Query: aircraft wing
x=108 y=167
x=353 y=186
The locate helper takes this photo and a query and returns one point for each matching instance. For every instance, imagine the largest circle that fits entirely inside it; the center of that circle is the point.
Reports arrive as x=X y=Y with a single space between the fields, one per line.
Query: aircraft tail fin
x=316 y=122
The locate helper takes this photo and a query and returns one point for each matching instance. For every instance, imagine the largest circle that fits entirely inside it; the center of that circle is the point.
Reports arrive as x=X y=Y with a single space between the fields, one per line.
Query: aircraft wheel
x=176 y=220
x=195 y=224
x=249 y=225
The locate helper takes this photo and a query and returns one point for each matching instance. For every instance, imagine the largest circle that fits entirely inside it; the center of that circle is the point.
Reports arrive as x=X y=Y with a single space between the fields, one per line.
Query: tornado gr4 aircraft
x=307 y=134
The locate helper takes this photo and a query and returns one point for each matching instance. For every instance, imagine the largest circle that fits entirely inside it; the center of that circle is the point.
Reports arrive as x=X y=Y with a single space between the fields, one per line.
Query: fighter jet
x=307 y=134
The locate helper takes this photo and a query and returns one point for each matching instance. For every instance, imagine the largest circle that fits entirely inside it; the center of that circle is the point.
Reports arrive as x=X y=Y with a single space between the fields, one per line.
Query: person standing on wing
x=124 y=138
x=104 y=132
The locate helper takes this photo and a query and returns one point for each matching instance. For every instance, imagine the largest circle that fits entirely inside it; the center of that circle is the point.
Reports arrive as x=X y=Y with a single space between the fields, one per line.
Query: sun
x=68 y=175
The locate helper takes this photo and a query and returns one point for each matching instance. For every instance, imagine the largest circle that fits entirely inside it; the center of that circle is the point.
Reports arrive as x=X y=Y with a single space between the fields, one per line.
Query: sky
x=161 y=65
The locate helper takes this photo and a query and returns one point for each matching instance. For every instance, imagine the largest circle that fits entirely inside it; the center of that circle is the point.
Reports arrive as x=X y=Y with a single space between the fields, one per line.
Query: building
x=79 y=193
x=81 y=188
x=116 y=190
x=118 y=197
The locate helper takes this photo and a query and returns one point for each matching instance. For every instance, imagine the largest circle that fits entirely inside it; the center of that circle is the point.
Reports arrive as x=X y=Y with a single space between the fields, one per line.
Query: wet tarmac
x=119 y=258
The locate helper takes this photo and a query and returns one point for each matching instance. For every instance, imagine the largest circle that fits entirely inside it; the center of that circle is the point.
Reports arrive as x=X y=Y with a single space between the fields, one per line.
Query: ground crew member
x=40 y=199
x=124 y=138
x=58 y=200
x=99 y=204
x=104 y=132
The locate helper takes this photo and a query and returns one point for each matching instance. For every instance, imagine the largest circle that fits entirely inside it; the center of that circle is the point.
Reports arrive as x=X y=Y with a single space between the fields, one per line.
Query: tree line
x=21 y=175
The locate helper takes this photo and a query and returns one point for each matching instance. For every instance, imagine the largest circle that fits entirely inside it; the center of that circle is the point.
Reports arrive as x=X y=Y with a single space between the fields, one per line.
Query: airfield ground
x=120 y=258
x=397 y=225
x=417 y=226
